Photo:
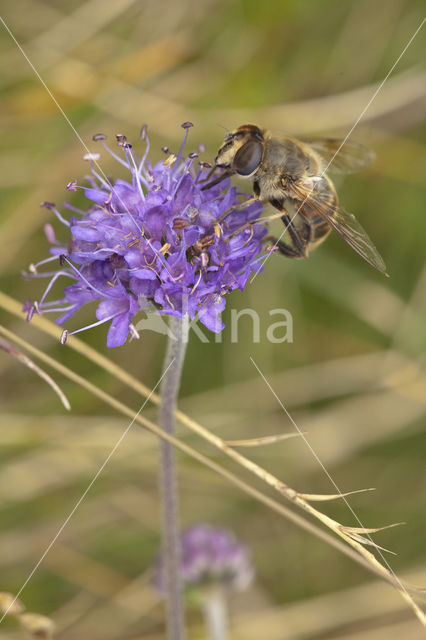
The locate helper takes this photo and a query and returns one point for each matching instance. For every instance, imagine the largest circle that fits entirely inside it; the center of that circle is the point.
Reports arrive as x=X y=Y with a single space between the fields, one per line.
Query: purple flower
x=155 y=240
x=211 y=556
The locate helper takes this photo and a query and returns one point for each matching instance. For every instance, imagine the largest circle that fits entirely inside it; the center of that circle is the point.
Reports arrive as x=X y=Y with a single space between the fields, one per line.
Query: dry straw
x=353 y=540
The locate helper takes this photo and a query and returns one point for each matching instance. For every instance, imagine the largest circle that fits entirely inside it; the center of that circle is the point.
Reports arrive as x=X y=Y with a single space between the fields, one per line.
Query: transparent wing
x=344 y=223
x=348 y=227
x=352 y=156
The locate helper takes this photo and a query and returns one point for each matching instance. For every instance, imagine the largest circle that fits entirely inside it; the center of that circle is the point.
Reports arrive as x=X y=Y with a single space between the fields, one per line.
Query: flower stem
x=216 y=615
x=172 y=369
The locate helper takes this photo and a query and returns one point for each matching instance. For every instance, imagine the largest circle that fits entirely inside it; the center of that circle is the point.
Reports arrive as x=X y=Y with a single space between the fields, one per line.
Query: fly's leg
x=299 y=241
x=284 y=248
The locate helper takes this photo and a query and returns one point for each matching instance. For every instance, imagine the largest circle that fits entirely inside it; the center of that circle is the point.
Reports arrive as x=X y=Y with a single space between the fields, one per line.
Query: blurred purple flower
x=211 y=556
x=155 y=240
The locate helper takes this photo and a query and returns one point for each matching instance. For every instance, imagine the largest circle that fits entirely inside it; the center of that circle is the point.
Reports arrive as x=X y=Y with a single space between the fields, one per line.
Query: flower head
x=156 y=239
x=210 y=557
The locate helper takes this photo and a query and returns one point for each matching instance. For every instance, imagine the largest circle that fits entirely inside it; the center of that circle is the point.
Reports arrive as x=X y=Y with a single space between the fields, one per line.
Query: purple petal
x=88 y=234
x=209 y=315
x=118 y=331
x=155 y=221
x=96 y=195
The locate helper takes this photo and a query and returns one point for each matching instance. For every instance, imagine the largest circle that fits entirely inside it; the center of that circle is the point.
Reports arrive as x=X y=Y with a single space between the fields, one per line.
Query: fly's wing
x=348 y=227
x=345 y=224
x=342 y=156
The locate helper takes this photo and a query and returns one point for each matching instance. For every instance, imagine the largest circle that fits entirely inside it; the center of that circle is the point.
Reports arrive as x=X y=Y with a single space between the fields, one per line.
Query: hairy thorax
x=284 y=161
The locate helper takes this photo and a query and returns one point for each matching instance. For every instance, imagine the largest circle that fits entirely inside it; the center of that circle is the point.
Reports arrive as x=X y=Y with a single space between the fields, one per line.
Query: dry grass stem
x=317 y=497
x=260 y=442
x=351 y=539
x=234 y=479
x=8 y=348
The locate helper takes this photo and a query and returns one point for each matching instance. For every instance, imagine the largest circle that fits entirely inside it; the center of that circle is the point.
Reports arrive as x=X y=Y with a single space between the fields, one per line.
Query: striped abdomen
x=323 y=198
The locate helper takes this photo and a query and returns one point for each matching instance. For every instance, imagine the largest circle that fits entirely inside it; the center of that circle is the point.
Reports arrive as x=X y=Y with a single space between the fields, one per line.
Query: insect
x=290 y=174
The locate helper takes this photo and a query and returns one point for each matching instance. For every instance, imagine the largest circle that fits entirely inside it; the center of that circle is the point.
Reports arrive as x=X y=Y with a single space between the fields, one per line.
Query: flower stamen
x=157 y=236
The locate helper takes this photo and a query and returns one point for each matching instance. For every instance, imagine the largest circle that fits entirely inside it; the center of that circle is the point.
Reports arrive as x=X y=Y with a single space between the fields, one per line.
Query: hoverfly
x=290 y=174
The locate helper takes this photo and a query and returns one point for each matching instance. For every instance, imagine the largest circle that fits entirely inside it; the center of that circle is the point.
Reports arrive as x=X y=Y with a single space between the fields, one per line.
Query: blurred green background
x=353 y=378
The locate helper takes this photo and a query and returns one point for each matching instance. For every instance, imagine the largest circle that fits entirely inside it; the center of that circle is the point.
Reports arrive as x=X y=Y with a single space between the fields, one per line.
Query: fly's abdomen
x=321 y=203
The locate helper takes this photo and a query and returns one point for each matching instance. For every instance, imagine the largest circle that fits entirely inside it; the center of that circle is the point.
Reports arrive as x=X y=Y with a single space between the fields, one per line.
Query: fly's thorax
x=281 y=159
x=286 y=156
x=269 y=185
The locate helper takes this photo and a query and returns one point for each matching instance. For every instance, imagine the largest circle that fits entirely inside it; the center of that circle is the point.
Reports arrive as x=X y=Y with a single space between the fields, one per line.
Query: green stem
x=172 y=369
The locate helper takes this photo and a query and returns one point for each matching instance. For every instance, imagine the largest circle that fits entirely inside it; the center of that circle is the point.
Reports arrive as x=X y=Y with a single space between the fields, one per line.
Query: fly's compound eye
x=248 y=158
